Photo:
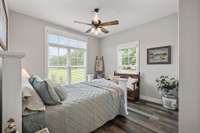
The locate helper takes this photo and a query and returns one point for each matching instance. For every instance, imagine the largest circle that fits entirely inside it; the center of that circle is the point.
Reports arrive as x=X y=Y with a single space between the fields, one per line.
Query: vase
x=169 y=102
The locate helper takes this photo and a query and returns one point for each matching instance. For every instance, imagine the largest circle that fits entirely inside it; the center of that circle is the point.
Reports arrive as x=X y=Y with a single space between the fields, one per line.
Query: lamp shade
x=25 y=74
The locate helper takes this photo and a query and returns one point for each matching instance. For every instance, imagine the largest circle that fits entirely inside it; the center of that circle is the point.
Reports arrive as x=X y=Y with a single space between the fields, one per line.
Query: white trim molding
x=151 y=99
x=49 y=30
x=66 y=33
x=56 y=31
x=135 y=44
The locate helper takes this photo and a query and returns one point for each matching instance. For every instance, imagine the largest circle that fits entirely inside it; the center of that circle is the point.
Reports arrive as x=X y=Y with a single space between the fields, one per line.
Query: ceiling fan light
x=96 y=32
x=96 y=18
x=99 y=29
x=93 y=29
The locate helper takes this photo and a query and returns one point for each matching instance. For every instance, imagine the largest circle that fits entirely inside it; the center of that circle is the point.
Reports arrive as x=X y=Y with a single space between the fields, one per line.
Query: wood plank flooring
x=143 y=117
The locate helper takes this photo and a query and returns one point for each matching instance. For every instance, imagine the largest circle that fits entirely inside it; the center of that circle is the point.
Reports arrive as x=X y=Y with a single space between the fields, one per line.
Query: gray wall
x=153 y=34
x=27 y=34
x=189 y=48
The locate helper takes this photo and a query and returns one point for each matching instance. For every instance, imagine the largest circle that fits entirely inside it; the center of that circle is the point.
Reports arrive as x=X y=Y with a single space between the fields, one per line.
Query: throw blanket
x=88 y=106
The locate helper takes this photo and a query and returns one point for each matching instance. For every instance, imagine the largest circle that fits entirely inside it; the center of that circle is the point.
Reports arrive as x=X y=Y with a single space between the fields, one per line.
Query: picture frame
x=159 y=55
x=3 y=26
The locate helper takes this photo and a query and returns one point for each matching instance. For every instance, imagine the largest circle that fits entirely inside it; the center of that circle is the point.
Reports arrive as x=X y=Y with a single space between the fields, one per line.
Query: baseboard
x=151 y=99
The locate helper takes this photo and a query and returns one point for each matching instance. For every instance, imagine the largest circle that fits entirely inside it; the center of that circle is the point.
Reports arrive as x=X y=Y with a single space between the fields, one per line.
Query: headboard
x=123 y=75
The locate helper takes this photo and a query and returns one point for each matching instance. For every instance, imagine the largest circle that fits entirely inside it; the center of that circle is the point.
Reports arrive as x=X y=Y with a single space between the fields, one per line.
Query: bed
x=88 y=106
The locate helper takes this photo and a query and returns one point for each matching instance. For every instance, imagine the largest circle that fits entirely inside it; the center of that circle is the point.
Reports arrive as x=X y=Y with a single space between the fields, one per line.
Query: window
x=78 y=63
x=128 y=57
x=66 y=59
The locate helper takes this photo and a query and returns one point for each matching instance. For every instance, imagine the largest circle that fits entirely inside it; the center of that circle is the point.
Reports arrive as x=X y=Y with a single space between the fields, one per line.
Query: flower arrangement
x=166 y=85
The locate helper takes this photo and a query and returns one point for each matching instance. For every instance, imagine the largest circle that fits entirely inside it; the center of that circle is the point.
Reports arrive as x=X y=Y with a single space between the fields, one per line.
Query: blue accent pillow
x=46 y=93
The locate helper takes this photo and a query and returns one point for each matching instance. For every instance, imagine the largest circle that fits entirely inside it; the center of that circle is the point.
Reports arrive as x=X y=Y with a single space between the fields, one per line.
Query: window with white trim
x=66 y=59
x=128 y=57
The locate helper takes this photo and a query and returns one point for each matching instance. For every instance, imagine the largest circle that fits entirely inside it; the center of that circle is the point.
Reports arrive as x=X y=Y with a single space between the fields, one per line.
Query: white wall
x=156 y=33
x=189 y=48
x=27 y=34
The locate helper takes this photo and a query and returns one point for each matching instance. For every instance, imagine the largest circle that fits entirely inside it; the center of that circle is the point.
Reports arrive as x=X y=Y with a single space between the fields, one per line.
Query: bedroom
x=144 y=41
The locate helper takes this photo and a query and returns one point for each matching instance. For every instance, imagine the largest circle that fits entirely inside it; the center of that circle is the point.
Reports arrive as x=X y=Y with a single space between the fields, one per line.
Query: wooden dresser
x=132 y=94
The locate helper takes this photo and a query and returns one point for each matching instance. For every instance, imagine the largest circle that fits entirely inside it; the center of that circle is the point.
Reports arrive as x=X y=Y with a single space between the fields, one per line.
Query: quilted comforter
x=88 y=106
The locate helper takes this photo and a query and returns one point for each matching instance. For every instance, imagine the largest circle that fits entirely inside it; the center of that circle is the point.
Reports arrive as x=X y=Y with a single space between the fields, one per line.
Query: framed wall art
x=159 y=55
x=3 y=26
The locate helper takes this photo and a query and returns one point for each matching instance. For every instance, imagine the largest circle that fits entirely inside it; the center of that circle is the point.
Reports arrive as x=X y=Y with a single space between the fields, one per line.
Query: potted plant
x=167 y=87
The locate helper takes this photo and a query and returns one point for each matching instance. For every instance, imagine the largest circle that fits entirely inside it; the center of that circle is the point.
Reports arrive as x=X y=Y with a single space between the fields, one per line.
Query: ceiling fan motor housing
x=97 y=25
x=96 y=10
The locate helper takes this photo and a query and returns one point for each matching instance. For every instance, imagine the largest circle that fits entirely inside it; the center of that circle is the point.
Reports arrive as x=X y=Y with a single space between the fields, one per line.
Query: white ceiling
x=130 y=13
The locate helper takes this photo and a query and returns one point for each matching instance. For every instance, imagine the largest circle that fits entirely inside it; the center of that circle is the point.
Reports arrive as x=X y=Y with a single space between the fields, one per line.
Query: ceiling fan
x=97 y=25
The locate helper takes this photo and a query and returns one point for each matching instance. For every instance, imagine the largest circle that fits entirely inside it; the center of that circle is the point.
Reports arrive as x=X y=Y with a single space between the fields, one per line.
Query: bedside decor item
x=3 y=26
x=169 y=102
x=167 y=87
x=159 y=55
x=11 y=128
x=99 y=67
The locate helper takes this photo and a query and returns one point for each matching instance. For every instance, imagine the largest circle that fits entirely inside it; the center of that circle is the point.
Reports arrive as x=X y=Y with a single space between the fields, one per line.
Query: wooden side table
x=133 y=95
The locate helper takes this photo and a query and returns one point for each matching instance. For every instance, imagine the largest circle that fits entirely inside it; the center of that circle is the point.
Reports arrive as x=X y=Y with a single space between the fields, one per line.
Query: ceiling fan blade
x=104 y=30
x=88 y=31
x=115 y=22
x=79 y=22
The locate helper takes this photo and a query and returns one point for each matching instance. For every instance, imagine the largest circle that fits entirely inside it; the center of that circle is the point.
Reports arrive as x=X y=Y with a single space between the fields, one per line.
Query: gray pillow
x=58 y=94
x=60 y=90
x=46 y=93
x=33 y=77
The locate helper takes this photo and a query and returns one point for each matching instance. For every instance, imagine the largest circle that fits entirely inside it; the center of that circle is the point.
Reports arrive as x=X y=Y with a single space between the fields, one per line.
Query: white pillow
x=130 y=82
x=31 y=101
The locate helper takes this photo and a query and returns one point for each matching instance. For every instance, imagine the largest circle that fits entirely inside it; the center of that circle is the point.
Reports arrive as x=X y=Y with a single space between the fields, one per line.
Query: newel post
x=11 y=103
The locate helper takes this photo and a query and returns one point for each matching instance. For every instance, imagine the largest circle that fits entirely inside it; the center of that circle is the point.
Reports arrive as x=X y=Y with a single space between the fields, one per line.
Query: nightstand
x=132 y=94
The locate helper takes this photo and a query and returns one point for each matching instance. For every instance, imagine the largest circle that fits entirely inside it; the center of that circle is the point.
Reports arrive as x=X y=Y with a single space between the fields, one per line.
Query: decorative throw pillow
x=33 y=77
x=47 y=93
x=53 y=91
x=31 y=101
x=130 y=82
x=60 y=90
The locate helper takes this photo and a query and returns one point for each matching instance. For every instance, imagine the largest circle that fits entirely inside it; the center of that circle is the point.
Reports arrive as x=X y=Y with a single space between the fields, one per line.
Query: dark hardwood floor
x=143 y=117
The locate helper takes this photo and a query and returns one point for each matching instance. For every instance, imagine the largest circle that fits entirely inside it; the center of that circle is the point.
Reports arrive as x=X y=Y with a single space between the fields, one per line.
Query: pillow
x=31 y=101
x=33 y=77
x=130 y=82
x=115 y=79
x=45 y=91
x=60 y=90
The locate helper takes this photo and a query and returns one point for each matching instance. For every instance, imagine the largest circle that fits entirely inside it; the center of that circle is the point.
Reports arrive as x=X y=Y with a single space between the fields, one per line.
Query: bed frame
x=132 y=95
